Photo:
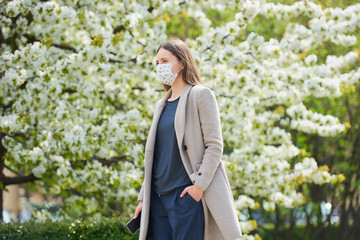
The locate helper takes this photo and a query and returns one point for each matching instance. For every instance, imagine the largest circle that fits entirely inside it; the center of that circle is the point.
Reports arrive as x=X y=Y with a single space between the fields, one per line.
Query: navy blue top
x=168 y=170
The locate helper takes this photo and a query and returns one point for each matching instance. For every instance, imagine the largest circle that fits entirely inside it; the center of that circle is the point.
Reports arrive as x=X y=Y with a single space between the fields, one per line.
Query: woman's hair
x=190 y=73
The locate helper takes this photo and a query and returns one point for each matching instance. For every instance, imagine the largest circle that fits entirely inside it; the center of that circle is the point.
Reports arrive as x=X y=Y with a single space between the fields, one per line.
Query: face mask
x=165 y=74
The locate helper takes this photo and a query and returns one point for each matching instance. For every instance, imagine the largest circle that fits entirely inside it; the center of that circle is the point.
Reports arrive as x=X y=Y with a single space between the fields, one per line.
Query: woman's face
x=165 y=56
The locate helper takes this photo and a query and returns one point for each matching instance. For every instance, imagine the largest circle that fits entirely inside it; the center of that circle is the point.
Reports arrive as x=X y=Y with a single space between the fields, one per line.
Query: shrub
x=109 y=229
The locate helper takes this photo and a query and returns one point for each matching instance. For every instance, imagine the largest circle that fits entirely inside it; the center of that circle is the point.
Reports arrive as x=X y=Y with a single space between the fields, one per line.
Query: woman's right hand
x=138 y=209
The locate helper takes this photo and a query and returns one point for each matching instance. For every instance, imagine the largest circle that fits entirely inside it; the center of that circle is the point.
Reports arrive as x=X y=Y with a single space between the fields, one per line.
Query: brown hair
x=190 y=73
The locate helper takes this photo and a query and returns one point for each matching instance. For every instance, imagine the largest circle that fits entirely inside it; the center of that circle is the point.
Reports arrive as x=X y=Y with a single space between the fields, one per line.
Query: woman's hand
x=138 y=209
x=194 y=191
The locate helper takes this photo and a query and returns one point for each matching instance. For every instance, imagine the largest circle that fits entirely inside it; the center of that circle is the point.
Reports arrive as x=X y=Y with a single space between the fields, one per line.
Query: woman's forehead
x=164 y=54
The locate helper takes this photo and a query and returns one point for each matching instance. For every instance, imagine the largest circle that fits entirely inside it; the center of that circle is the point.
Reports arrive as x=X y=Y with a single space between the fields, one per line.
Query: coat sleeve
x=141 y=193
x=212 y=136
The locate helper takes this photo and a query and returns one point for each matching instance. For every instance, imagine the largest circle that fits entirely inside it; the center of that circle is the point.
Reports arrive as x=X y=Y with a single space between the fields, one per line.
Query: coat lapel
x=179 y=122
x=159 y=107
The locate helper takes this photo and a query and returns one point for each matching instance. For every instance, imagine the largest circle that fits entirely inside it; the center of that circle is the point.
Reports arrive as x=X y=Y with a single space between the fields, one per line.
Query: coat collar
x=179 y=122
x=183 y=95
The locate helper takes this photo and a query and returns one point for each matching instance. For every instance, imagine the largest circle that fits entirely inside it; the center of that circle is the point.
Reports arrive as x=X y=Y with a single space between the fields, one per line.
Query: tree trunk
x=1 y=206
x=2 y=177
x=290 y=232
x=5 y=181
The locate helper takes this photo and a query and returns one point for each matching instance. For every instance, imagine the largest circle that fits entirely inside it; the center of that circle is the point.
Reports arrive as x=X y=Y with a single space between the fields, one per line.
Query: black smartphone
x=134 y=224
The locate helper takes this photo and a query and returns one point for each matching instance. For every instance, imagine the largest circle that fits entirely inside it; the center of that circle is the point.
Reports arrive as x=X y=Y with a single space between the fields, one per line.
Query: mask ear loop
x=180 y=68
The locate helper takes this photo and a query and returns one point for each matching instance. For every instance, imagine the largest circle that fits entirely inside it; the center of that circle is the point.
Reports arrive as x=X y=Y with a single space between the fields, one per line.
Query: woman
x=185 y=193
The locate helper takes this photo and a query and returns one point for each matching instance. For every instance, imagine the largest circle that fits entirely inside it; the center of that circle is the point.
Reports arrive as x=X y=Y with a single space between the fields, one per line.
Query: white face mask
x=165 y=74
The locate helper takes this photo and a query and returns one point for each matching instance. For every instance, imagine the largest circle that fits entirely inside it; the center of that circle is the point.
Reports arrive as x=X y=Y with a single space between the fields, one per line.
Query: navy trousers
x=175 y=218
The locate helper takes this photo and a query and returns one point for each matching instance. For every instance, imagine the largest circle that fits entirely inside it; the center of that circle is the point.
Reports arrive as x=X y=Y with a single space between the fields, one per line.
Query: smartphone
x=134 y=224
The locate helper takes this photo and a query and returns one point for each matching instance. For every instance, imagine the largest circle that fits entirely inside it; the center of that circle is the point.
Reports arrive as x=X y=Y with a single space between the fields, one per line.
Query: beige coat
x=198 y=132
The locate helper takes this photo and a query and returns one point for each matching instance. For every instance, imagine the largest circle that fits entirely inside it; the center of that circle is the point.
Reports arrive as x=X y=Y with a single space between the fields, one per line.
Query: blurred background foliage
x=331 y=211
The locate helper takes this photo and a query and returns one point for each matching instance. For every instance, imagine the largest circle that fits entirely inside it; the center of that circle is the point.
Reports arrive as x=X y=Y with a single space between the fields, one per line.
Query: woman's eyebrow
x=162 y=58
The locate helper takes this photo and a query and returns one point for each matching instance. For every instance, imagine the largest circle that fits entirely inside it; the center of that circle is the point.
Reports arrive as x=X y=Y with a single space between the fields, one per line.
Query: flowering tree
x=78 y=86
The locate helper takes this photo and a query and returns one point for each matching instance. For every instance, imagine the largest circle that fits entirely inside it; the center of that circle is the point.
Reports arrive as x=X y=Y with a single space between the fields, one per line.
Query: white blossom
x=90 y=105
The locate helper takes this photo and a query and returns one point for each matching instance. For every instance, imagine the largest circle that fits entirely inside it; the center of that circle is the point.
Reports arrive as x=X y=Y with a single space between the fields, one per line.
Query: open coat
x=198 y=132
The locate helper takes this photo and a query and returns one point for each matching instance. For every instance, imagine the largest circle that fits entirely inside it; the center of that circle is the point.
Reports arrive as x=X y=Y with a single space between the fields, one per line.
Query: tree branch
x=31 y=38
x=252 y=55
x=18 y=180
x=14 y=137
x=108 y=162
x=132 y=35
x=7 y=106
x=12 y=170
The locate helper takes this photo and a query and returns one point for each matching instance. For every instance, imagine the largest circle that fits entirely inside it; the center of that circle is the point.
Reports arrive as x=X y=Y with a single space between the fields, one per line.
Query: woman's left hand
x=194 y=191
